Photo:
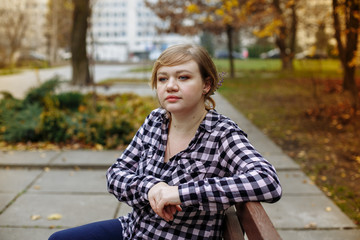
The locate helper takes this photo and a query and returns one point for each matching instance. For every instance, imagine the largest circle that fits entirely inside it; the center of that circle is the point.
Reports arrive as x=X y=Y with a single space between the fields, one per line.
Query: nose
x=172 y=85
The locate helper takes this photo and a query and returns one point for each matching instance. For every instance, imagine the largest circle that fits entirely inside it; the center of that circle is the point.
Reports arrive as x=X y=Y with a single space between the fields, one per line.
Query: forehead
x=189 y=66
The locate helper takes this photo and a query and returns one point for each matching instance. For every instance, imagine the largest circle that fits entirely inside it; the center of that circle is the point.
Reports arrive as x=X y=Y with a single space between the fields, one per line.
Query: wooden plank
x=231 y=227
x=255 y=222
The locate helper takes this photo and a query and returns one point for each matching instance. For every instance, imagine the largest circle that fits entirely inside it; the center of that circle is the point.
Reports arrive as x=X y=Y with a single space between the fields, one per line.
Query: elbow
x=275 y=192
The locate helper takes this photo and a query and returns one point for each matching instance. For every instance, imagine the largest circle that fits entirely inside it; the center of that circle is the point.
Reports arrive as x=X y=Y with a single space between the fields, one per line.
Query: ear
x=207 y=85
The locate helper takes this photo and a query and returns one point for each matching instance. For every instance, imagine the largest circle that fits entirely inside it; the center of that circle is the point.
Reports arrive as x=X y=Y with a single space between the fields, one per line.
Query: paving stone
x=296 y=182
x=5 y=199
x=25 y=233
x=71 y=181
x=27 y=158
x=306 y=211
x=281 y=161
x=347 y=234
x=16 y=180
x=87 y=158
x=75 y=210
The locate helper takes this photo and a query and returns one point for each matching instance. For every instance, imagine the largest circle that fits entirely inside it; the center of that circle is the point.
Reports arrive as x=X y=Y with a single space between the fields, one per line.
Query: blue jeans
x=104 y=230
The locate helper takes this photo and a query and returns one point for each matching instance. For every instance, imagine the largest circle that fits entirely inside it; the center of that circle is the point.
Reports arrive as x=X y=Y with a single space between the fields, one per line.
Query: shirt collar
x=209 y=124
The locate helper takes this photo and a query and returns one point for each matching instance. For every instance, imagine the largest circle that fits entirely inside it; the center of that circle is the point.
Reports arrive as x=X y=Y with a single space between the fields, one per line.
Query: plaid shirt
x=218 y=169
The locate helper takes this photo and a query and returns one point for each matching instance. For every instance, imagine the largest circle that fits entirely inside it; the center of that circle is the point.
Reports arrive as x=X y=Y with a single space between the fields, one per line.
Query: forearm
x=128 y=187
x=215 y=194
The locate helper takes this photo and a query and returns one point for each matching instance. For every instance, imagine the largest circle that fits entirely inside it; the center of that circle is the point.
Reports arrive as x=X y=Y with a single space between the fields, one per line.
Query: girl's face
x=180 y=88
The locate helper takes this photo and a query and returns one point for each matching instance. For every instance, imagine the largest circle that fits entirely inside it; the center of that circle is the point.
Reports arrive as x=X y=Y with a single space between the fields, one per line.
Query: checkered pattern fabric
x=218 y=169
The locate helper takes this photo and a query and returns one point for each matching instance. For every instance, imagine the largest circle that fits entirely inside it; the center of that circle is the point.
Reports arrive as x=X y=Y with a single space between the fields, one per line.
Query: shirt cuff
x=188 y=194
x=146 y=184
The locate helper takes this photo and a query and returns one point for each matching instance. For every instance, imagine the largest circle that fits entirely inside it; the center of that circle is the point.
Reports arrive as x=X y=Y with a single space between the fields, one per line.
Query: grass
x=308 y=116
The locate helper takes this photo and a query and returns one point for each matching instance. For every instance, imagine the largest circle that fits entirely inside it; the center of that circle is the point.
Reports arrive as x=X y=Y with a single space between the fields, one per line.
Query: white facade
x=125 y=30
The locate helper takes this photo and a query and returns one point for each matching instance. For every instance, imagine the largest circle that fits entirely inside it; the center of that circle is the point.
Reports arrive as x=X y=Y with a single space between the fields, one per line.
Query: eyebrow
x=177 y=72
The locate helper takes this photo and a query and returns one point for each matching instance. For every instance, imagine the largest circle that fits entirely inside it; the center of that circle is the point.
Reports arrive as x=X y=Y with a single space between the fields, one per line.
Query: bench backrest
x=249 y=218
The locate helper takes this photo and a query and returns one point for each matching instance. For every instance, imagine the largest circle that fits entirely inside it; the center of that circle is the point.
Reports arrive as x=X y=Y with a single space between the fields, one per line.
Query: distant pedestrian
x=186 y=164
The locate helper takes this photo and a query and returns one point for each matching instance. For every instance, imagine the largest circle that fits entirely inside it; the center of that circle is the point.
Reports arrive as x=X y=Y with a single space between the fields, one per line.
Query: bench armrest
x=250 y=219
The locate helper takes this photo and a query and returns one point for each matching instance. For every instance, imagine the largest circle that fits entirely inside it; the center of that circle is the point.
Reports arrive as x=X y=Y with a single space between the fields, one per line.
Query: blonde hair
x=182 y=53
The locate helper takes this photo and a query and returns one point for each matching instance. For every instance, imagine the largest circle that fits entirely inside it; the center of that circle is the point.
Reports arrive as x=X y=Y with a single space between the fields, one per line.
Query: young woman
x=187 y=163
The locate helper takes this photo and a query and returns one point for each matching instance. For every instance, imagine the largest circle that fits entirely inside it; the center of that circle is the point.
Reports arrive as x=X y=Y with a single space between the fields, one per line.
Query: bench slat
x=232 y=228
x=255 y=222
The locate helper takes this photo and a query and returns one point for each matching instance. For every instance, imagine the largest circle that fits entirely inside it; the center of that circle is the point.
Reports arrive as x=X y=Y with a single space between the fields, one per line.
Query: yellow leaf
x=99 y=147
x=35 y=217
x=328 y=209
x=311 y=225
x=323 y=178
x=54 y=216
x=192 y=8
x=219 y=12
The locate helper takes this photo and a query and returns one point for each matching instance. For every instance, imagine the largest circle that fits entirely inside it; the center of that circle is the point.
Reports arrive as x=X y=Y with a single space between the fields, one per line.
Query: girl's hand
x=164 y=200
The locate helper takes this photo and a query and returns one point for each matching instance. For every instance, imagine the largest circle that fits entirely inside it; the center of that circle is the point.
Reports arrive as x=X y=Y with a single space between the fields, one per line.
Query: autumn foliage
x=71 y=118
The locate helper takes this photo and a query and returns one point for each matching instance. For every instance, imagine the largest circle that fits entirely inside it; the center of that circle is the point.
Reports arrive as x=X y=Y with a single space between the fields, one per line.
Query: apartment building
x=123 y=30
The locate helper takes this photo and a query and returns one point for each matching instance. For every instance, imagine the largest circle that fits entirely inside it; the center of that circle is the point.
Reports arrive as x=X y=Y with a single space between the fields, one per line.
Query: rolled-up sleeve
x=252 y=178
x=124 y=182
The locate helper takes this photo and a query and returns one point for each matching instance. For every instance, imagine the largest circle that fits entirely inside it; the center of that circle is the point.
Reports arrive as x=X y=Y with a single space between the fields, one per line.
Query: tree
x=346 y=14
x=277 y=19
x=194 y=16
x=79 y=59
x=14 y=24
x=59 y=25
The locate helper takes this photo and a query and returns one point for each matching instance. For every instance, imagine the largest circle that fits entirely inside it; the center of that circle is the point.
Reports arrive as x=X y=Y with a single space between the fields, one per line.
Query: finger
x=178 y=207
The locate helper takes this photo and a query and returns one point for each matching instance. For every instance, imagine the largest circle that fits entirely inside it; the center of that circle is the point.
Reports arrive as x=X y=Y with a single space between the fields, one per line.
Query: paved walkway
x=34 y=185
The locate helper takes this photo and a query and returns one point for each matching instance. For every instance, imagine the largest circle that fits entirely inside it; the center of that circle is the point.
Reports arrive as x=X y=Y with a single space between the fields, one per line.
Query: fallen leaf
x=328 y=209
x=311 y=225
x=54 y=216
x=37 y=187
x=46 y=169
x=35 y=217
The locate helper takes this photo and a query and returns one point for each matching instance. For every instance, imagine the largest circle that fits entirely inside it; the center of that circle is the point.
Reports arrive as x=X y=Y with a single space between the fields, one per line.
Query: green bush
x=37 y=94
x=20 y=125
x=70 y=100
x=53 y=126
x=72 y=117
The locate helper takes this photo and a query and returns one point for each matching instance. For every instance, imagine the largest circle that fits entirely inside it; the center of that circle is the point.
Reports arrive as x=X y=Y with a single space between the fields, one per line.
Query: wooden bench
x=251 y=219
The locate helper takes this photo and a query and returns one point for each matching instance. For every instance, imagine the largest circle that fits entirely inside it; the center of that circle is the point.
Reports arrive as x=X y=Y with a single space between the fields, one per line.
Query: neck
x=187 y=122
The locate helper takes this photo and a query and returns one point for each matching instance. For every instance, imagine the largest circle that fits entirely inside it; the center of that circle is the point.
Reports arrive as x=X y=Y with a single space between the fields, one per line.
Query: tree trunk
x=53 y=35
x=280 y=41
x=79 y=59
x=347 y=51
x=229 y=33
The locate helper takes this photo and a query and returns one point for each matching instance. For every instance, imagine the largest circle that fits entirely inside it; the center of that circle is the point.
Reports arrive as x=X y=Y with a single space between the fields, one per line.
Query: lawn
x=306 y=113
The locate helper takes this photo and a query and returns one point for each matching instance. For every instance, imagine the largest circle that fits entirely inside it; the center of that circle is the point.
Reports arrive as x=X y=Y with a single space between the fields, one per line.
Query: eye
x=161 y=79
x=183 y=77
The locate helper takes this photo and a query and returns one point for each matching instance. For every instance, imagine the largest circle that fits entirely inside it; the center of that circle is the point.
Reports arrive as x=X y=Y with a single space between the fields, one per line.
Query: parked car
x=311 y=55
x=273 y=53
x=223 y=54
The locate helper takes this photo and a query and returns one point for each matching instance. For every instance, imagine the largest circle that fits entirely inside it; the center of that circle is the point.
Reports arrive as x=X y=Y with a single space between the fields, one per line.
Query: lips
x=172 y=98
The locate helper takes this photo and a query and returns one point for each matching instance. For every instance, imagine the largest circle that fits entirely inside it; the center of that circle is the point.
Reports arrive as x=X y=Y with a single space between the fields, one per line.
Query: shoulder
x=157 y=115
x=220 y=124
x=154 y=120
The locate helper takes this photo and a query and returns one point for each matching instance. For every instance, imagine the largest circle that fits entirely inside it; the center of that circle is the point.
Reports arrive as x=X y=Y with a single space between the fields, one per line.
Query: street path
x=19 y=84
